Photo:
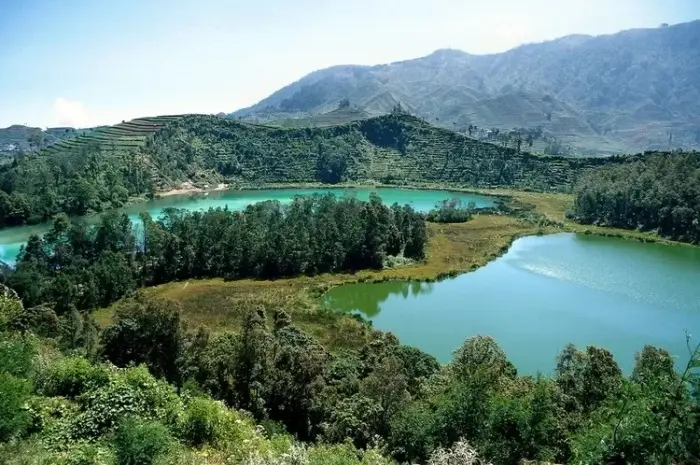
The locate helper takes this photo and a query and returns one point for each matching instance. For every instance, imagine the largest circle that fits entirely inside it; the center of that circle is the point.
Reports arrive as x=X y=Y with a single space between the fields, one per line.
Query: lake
x=545 y=292
x=11 y=239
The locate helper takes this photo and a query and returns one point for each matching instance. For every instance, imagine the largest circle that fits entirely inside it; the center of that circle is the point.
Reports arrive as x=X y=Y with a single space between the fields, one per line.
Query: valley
x=405 y=263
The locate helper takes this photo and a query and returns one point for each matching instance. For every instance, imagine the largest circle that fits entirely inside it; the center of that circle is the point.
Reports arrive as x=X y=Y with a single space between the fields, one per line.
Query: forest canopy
x=81 y=266
x=659 y=193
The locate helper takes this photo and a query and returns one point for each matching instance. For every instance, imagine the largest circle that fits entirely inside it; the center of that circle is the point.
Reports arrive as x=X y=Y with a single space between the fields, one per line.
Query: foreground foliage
x=155 y=392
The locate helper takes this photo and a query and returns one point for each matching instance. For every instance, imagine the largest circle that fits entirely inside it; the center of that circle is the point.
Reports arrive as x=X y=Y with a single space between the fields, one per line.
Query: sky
x=90 y=62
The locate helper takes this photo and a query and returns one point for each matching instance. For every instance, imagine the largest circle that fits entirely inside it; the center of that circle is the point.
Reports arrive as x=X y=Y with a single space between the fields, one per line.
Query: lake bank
x=452 y=249
x=545 y=292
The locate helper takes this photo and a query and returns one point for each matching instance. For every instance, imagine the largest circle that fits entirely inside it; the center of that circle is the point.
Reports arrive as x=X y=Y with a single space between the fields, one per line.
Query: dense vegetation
x=659 y=193
x=145 y=389
x=83 y=267
x=451 y=211
x=101 y=169
x=116 y=165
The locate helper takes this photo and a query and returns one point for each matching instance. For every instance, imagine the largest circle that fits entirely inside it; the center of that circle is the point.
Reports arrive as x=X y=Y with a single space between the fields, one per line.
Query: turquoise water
x=543 y=293
x=11 y=239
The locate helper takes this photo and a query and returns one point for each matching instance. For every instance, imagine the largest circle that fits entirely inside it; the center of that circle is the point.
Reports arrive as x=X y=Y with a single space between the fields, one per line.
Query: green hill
x=112 y=166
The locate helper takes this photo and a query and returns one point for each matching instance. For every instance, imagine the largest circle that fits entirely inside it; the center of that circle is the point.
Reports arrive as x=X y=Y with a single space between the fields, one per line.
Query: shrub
x=461 y=453
x=14 y=419
x=140 y=443
x=72 y=376
x=18 y=356
x=10 y=306
x=202 y=422
x=41 y=320
x=131 y=391
x=451 y=211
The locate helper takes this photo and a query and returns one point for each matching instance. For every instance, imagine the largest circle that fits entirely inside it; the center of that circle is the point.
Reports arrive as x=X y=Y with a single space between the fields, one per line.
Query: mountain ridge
x=634 y=90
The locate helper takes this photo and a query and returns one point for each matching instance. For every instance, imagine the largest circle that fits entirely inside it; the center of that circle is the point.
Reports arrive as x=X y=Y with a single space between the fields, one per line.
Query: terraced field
x=123 y=136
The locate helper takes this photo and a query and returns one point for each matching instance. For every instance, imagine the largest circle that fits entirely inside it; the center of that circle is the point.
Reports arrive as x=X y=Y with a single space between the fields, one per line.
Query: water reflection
x=368 y=298
x=544 y=293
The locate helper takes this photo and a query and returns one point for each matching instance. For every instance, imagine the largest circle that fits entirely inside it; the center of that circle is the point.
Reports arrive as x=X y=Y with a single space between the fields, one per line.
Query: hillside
x=96 y=170
x=18 y=138
x=395 y=148
x=112 y=165
x=332 y=118
x=627 y=92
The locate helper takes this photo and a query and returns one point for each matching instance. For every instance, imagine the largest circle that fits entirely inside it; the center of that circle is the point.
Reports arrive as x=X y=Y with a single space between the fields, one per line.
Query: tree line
x=659 y=193
x=79 y=266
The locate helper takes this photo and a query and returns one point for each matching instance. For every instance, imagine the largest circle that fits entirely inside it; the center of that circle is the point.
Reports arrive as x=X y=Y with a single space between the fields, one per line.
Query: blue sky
x=88 y=62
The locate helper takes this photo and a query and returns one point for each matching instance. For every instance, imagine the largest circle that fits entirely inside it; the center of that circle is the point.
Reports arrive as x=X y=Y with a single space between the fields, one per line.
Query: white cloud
x=69 y=113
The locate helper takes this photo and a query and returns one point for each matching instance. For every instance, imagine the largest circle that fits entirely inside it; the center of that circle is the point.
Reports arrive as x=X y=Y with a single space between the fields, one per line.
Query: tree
x=587 y=379
x=295 y=380
x=387 y=385
x=654 y=364
x=147 y=331
x=250 y=368
x=481 y=357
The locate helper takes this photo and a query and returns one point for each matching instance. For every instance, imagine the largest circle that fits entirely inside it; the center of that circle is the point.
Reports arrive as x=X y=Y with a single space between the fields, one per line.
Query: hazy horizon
x=84 y=64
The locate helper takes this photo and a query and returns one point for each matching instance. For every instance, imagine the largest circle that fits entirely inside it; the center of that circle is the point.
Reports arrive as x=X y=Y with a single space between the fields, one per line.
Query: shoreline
x=188 y=188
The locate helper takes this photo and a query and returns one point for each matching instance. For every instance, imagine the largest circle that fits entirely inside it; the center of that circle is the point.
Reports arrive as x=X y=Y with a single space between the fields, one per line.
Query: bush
x=140 y=443
x=72 y=376
x=41 y=320
x=18 y=356
x=14 y=419
x=131 y=391
x=451 y=211
x=10 y=307
x=202 y=422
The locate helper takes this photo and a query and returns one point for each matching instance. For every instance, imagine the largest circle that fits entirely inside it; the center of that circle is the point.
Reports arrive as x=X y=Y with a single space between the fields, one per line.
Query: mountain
x=634 y=90
x=115 y=165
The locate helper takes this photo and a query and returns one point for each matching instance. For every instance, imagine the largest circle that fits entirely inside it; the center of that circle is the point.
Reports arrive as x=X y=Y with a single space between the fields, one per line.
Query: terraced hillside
x=18 y=139
x=123 y=136
x=99 y=169
x=112 y=166
x=332 y=118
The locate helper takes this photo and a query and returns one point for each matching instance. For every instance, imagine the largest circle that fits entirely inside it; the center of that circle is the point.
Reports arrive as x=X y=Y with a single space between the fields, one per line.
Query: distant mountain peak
x=622 y=92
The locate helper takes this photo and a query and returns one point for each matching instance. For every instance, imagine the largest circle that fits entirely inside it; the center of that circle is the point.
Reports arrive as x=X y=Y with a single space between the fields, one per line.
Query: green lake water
x=543 y=293
x=12 y=238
